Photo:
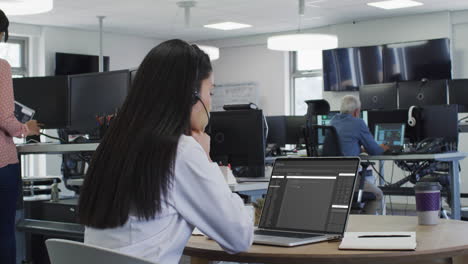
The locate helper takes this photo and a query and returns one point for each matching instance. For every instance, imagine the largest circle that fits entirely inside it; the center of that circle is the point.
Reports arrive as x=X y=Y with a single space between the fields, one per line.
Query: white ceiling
x=162 y=19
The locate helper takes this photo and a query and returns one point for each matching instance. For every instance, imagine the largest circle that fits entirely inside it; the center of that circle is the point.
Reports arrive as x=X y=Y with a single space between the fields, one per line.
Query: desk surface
x=446 y=240
x=54 y=148
x=248 y=186
x=439 y=157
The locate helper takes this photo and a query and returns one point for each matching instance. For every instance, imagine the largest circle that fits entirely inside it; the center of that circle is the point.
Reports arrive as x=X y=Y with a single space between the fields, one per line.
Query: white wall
x=125 y=51
x=256 y=64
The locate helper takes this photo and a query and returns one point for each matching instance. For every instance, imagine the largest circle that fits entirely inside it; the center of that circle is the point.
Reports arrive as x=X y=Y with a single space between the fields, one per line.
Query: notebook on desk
x=308 y=201
x=379 y=241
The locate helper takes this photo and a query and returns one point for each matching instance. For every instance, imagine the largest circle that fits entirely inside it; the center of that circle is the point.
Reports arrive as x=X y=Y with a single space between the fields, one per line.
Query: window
x=15 y=52
x=306 y=79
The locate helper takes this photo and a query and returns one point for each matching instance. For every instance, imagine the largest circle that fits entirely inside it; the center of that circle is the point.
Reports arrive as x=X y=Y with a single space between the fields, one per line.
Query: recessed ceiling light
x=227 y=26
x=395 y=4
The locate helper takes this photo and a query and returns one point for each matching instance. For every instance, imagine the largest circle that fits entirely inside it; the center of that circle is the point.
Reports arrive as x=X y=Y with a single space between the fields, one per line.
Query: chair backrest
x=325 y=140
x=70 y=252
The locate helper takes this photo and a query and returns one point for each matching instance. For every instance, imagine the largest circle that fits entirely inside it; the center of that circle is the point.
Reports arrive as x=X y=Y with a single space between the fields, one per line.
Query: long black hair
x=132 y=169
x=4 y=24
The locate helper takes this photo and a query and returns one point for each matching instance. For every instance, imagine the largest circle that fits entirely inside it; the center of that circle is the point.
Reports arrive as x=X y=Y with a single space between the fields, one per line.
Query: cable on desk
x=56 y=138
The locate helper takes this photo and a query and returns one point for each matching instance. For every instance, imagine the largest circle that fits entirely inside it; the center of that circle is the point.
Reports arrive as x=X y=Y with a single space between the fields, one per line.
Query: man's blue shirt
x=354 y=133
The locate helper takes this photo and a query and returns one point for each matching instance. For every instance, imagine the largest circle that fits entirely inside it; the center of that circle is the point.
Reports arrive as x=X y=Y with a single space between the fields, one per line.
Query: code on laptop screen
x=311 y=195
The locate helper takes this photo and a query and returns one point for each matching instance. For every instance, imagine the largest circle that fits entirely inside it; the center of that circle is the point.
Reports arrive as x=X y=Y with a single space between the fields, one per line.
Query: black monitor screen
x=458 y=93
x=379 y=96
x=276 y=130
x=413 y=61
x=341 y=70
x=68 y=64
x=370 y=64
x=311 y=195
x=132 y=76
x=422 y=93
x=440 y=121
x=284 y=130
x=48 y=96
x=94 y=95
x=237 y=138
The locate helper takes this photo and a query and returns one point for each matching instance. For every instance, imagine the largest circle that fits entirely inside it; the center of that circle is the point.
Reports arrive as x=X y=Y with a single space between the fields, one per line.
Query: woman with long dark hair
x=10 y=179
x=151 y=181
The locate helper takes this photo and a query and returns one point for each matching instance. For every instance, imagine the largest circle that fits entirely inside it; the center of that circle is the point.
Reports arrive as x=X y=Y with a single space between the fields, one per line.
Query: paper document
x=379 y=241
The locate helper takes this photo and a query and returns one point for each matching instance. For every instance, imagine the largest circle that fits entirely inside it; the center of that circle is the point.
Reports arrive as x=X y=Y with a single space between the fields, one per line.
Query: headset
x=196 y=95
x=411 y=119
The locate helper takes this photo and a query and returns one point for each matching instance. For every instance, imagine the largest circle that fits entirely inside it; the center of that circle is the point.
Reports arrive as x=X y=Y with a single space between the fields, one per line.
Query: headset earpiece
x=411 y=119
x=195 y=98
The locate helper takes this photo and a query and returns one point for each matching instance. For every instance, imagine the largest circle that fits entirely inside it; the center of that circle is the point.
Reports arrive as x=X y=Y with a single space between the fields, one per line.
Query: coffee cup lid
x=427 y=186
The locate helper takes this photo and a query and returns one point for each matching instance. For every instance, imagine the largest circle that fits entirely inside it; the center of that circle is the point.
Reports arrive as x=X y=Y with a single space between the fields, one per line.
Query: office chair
x=70 y=252
x=325 y=140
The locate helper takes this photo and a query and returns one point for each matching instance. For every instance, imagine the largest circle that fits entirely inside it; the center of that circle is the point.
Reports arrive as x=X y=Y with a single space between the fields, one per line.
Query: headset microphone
x=198 y=98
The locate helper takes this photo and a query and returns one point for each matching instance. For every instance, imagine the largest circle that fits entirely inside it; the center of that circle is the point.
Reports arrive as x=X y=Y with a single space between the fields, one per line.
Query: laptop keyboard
x=284 y=234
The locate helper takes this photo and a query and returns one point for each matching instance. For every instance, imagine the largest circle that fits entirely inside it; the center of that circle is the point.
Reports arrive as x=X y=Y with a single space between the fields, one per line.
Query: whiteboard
x=234 y=93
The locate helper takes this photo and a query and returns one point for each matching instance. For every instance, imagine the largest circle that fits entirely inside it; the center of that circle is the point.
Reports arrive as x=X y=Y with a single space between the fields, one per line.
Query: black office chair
x=325 y=141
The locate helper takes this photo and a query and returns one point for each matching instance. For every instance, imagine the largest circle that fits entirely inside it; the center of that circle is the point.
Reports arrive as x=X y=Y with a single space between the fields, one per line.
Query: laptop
x=391 y=134
x=308 y=201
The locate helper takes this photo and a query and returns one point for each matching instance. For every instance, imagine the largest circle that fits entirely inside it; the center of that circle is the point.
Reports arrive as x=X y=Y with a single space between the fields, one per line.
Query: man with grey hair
x=355 y=137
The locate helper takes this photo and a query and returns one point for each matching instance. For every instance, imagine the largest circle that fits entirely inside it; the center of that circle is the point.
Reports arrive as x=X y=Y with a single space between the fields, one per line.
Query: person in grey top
x=355 y=138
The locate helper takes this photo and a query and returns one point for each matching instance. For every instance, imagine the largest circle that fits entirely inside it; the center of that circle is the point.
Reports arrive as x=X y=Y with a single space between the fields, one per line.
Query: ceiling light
x=301 y=41
x=26 y=7
x=395 y=4
x=296 y=42
x=227 y=26
x=213 y=52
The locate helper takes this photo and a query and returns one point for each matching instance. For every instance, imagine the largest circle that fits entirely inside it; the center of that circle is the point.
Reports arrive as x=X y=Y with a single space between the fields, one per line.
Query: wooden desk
x=436 y=244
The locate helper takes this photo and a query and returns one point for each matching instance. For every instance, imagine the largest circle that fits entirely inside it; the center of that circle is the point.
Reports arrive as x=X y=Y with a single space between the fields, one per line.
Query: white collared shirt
x=200 y=198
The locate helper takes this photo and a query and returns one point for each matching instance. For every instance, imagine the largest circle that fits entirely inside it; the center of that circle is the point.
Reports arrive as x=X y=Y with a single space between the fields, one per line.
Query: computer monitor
x=48 y=96
x=399 y=116
x=440 y=121
x=422 y=93
x=390 y=134
x=133 y=73
x=324 y=120
x=68 y=64
x=379 y=96
x=96 y=94
x=415 y=60
x=458 y=94
x=284 y=130
x=364 y=116
x=237 y=138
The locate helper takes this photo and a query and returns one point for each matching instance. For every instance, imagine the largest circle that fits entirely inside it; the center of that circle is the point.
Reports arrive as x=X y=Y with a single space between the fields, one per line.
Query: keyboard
x=394 y=150
x=284 y=234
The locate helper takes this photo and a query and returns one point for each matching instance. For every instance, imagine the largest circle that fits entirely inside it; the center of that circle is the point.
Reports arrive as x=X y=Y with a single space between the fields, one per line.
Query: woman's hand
x=204 y=140
x=33 y=127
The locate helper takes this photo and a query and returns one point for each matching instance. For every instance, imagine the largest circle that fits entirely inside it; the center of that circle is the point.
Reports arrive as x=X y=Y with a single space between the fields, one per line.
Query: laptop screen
x=310 y=195
x=390 y=134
